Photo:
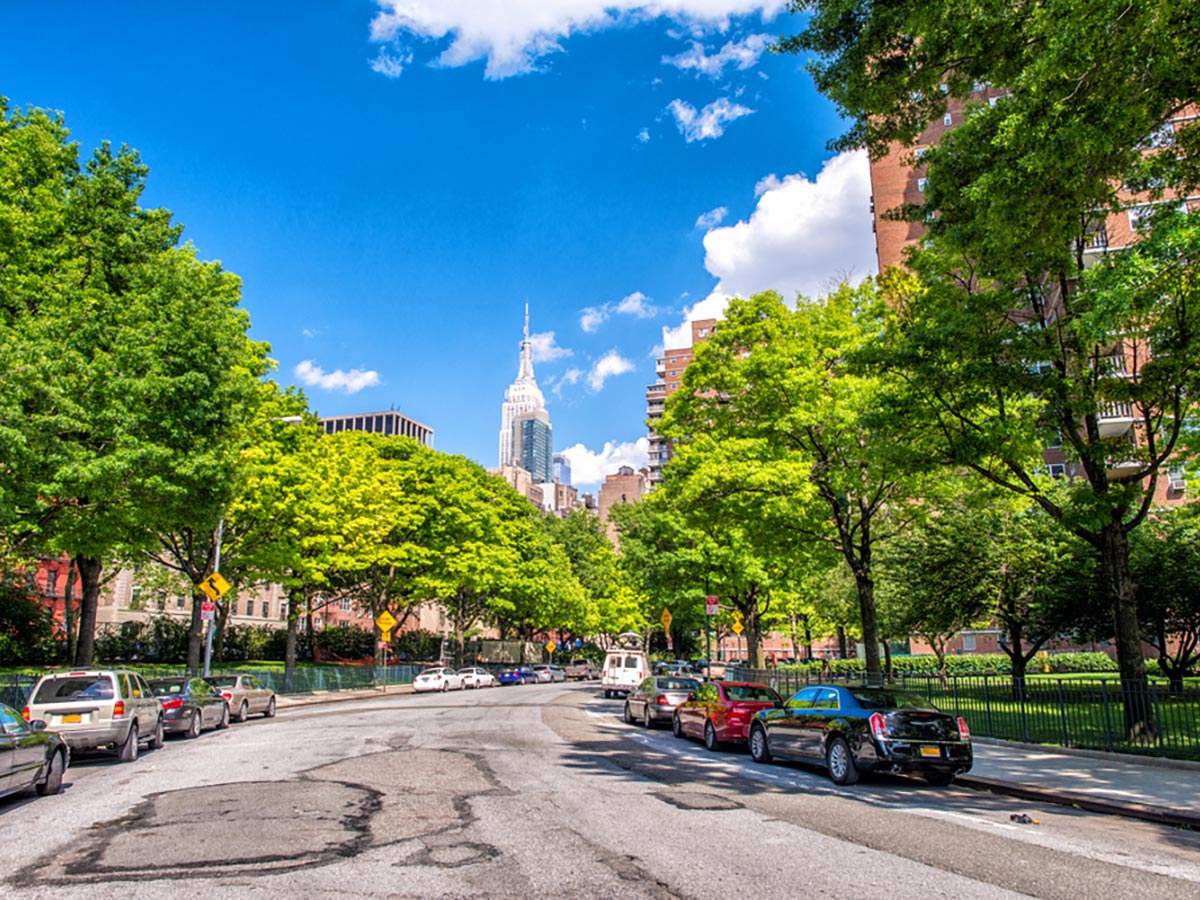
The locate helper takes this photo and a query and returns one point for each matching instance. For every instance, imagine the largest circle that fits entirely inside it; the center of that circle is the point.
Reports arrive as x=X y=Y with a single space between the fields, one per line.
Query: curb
x=1157 y=814
x=1133 y=759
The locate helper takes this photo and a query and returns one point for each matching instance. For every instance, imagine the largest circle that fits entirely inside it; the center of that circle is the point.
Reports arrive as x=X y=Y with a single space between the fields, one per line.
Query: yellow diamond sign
x=738 y=628
x=551 y=646
x=666 y=618
x=215 y=586
x=386 y=621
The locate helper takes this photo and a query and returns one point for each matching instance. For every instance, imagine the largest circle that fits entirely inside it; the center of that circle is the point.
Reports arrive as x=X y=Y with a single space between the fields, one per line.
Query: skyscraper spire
x=522 y=399
x=525 y=373
x=526 y=320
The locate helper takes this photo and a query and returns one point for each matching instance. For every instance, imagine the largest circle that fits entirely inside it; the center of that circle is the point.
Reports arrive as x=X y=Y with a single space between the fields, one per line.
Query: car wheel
x=159 y=737
x=445 y=686
x=760 y=751
x=224 y=722
x=710 y=737
x=628 y=714
x=676 y=726
x=608 y=695
x=54 y=776
x=647 y=719
x=938 y=779
x=840 y=762
x=128 y=751
x=243 y=713
x=269 y=712
x=195 y=725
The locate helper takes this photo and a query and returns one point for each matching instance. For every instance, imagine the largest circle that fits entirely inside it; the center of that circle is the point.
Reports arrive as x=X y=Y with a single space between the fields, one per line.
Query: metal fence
x=1094 y=714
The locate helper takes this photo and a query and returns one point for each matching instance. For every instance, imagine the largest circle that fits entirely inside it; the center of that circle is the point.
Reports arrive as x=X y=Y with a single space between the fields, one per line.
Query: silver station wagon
x=99 y=708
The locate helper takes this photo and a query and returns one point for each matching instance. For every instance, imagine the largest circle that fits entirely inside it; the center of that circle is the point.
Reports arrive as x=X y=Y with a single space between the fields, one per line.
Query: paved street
x=542 y=792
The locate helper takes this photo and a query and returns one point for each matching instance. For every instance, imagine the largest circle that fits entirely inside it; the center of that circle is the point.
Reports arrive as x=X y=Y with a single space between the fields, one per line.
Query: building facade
x=626 y=486
x=388 y=423
x=533 y=441
x=522 y=398
x=669 y=369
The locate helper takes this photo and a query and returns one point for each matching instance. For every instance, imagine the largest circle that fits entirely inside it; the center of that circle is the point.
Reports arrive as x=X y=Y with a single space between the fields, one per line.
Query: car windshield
x=74 y=687
x=754 y=692
x=880 y=698
x=223 y=681
x=166 y=688
x=677 y=684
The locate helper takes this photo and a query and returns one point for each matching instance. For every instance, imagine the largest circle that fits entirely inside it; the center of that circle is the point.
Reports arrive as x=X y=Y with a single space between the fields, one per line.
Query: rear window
x=752 y=692
x=876 y=698
x=167 y=688
x=677 y=684
x=224 y=681
x=74 y=687
x=632 y=662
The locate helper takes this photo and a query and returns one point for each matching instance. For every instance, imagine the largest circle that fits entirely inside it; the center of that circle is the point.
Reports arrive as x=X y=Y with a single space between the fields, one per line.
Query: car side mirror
x=779 y=704
x=37 y=725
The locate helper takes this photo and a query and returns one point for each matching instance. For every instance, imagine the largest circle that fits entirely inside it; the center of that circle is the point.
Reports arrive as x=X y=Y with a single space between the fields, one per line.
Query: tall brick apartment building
x=670 y=368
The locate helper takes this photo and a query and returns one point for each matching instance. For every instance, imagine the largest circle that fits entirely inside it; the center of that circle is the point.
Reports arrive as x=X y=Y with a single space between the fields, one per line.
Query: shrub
x=346 y=641
x=416 y=645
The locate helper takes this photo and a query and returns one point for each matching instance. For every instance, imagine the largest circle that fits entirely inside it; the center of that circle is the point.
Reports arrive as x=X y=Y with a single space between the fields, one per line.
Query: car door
x=825 y=707
x=784 y=725
x=22 y=751
x=148 y=706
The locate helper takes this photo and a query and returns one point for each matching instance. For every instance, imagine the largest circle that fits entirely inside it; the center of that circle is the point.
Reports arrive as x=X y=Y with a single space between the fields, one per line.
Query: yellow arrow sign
x=736 y=615
x=215 y=586
x=386 y=621
x=738 y=628
x=666 y=618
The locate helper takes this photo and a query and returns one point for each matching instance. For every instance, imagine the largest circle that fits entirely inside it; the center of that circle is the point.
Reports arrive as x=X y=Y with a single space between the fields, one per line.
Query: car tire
x=647 y=719
x=760 y=750
x=608 y=695
x=840 y=762
x=938 y=779
x=128 y=751
x=445 y=686
x=243 y=713
x=224 y=721
x=159 y=738
x=676 y=726
x=54 y=776
x=269 y=712
x=196 y=725
x=711 y=742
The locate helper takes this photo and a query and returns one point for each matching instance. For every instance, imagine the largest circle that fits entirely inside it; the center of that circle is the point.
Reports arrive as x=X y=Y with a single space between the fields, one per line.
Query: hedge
x=982 y=664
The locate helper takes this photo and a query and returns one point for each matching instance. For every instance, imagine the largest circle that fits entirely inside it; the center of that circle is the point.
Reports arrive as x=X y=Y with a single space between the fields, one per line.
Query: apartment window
x=1162 y=136
x=135 y=597
x=52 y=582
x=921 y=183
x=968 y=643
x=944 y=88
x=179 y=601
x=344 y=604
x=948 y=119
x=703 y=332
x=1056 y=441
x=233 y=607
x=992 y=101
x=1058 y=470
x=920 y=151
x=283 y=608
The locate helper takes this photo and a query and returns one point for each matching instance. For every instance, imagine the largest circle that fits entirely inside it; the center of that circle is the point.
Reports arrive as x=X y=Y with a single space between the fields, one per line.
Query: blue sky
x=393 y=181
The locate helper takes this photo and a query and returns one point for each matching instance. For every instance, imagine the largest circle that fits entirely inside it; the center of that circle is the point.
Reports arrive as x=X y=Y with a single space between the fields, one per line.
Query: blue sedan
x=517 y=675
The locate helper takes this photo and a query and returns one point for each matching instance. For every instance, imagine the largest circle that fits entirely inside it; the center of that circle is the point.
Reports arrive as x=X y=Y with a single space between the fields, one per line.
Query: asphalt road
x=542 y=792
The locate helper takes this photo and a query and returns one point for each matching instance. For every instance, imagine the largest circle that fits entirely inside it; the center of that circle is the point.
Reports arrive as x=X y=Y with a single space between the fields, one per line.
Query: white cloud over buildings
x=803 y=236
x=610 y=364
x=742 y=55
x=589 y=468
x=309 y=374
x=545 y=349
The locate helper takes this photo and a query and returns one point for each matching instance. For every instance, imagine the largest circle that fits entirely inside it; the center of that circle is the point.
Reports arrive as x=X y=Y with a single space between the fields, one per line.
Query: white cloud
x=709 y=122
x=592 y=318
x=802 y=237
x=610 y=364
x=569 y=377
x=514 y=36
x=712 y=217
x=310 y=332
x=589 y=469
x=391 y=64
x=544 y=348
x=644 y=135
x=743 y=54
x=311 y=375
x=635 y=305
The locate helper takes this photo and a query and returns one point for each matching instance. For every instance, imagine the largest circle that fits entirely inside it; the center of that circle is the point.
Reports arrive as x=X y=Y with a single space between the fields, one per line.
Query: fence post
x=1062 y=715
x=1107 y=721
x=987 y=706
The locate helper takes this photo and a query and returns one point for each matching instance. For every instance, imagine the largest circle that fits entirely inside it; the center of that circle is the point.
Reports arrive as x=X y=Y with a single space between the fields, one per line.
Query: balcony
x=1114 y=419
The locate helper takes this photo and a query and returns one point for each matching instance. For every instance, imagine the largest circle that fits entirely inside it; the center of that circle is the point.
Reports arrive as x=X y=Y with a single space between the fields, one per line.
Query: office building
x=533 y=445
x=523 y=398
x=389 y=423
x=670 y=368
x=562 y=469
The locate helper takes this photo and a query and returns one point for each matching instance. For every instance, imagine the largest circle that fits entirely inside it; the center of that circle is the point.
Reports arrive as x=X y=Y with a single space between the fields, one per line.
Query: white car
x=477 y=678
x=547 y=674
x=440 y=678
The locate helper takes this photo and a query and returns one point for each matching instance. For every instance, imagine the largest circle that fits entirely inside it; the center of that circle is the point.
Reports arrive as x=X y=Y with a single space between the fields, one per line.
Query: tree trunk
x=289 y=653
x=841 y=639
x=807 y=638
x=1119 y=594
x=887 y=659
x=70 y=621
x=195 y=632
x=870 y=624
x=89 y=582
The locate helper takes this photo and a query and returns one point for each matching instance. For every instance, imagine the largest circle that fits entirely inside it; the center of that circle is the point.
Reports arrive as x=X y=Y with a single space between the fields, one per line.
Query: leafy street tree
x=128 y=363
x=1022 y=328
x=1166 y=563
x=786 y=379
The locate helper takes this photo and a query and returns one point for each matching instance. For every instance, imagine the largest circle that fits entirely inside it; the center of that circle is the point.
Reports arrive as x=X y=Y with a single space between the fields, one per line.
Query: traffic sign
x=666 y=618
x=385 y=637
x=208 y=609
x=737 y=615
x=711 y=605
x=551 y=646
x=386 y=621
x=215 y=586
x=738 y=628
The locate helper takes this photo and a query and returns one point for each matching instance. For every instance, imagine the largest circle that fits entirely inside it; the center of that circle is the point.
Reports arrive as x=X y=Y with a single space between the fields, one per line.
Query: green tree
x=1166 y=563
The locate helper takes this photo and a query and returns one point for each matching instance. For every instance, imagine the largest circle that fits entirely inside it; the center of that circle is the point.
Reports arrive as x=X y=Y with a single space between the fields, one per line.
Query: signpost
x=385 y=622
x=711 y=606
x=666 y=622
x=737 y=629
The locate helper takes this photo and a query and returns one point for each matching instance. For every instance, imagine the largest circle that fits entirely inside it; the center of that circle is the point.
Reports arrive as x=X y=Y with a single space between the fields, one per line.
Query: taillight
x=25 y=713
x=878 y=725
x=173 y=703
x=228 y=696
x=662 y=700
x=964 y=733
x=118 y=709
x=603 y=673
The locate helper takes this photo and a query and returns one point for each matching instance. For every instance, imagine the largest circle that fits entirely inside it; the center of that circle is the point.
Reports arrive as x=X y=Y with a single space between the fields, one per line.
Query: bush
x=26 y=627
x=416 y=645
x=243 y=642
x=346 y=641
x=982 y=664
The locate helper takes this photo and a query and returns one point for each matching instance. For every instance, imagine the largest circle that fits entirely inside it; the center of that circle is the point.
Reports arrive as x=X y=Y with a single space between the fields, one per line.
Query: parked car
x=517 y=675
x=190 y=705
x=99 y=709
x=580 y=670
x=477 y=678
x=720 y=712
x=850 y=729
x=655 y=699
x=549 y=673
x=623 y=671
x=30 y=756
x=246 y=695
x=439 y=678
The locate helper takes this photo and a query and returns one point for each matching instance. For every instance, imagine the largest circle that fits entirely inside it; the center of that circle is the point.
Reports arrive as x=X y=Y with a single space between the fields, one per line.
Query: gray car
x=99 y=709
x=247 y=696
x=655 y=699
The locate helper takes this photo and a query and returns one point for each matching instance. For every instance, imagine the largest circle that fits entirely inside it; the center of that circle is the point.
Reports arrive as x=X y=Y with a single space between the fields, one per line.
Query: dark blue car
x=849 y=729
x=517 y=675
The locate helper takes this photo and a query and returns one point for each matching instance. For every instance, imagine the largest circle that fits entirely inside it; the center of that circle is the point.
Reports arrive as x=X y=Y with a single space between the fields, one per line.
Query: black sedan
x=851 y=729
x=30 y=756
x=190 y=705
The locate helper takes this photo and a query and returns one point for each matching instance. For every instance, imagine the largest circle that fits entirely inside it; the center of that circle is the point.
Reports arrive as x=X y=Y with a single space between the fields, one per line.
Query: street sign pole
x=216 y=568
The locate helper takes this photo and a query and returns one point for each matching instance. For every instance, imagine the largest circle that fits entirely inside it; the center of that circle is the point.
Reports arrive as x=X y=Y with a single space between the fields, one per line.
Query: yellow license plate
x=74 y=717
x=931 y=751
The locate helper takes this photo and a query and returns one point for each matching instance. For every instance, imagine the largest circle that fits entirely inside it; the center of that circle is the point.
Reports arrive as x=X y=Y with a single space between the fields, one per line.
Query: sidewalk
x=1149 y=788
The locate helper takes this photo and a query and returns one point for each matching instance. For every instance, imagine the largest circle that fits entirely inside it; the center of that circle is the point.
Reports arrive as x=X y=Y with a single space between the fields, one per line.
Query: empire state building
x=525 y=433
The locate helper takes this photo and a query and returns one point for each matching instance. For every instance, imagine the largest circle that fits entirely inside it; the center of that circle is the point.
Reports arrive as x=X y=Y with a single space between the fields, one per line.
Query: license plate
x=74 y=717
x=931 y=751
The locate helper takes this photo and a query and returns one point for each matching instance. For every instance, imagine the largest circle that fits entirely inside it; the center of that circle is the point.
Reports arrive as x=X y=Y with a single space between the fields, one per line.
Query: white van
x=623 y=671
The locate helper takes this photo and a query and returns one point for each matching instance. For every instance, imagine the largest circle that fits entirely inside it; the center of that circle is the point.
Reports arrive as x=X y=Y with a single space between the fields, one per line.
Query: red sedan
x=721 y=712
